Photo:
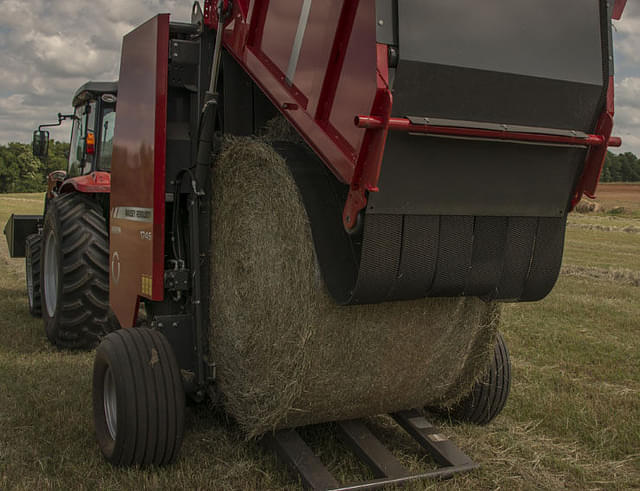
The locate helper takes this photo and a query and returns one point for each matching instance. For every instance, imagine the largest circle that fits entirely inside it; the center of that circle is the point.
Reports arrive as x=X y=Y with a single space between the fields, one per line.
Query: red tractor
x=66 y=249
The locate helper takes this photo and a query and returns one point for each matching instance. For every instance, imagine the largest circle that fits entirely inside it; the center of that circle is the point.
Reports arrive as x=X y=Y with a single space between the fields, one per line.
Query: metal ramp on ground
x=386 y=468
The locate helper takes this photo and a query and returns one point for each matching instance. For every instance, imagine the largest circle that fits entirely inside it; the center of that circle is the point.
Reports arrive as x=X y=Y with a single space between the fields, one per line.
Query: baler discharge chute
x=346 y=156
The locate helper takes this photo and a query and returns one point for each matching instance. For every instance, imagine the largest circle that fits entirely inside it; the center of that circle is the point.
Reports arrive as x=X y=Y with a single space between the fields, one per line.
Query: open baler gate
x=479 y=132
x=431 y=152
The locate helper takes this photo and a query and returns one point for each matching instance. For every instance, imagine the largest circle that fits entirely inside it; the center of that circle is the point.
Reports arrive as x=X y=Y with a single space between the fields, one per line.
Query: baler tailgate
x=517 y=71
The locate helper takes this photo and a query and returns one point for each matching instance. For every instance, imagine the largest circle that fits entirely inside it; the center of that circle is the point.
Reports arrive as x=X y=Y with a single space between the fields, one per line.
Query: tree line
x=21 y=172
x=624 y=167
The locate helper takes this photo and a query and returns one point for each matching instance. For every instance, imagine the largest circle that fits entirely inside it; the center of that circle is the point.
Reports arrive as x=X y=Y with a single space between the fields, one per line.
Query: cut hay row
x=621 y=275
x=630 y=229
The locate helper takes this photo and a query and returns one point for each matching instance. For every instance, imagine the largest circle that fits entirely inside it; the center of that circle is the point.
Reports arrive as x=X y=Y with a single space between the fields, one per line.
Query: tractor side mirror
x=40 y=144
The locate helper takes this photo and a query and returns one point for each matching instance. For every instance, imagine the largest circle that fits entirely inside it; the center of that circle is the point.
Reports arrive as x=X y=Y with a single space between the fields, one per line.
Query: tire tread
x=33 y=245
x=489 y=395
x=84 y=272
x=151 y=385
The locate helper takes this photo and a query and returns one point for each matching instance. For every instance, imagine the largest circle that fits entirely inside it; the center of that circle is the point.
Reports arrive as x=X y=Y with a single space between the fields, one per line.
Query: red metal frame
x=403 y=124
x=160 y=155
x=367 y=172
x=597 y=154
x=618 y=9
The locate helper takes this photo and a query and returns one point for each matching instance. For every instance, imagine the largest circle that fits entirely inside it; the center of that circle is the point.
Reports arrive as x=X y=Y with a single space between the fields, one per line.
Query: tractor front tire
x=489 y=395
x=138 y=399
x=74 y=277
x=33 y=245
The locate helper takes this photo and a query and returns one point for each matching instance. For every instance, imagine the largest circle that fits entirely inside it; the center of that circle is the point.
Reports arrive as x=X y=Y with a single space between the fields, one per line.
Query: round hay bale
x=287 y=355
x=586 y=206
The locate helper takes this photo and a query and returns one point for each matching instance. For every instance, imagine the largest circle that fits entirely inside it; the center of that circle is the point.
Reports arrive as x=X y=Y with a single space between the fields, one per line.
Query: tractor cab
x=93 y=127
x=94 y=120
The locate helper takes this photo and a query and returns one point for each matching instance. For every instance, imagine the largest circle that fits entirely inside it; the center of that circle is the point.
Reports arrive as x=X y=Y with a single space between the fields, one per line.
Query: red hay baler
x=459 y=135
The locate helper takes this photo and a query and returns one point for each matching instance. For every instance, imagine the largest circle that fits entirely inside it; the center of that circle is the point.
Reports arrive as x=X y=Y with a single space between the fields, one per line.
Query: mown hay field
x=572 y=420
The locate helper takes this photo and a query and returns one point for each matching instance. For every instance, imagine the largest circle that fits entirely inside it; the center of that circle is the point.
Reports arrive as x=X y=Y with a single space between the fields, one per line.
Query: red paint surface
x=138 y=168
x=356 y=87
x=367 y=172
x=280 y=26
x=96 y=182
x=596 y=156
x=335 y=77
x=618 y=9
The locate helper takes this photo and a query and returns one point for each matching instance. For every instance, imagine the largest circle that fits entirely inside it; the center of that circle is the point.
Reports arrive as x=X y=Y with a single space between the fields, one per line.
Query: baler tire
x=489 y=395
x=75 y=272
x=138 y=399
x=33 y=246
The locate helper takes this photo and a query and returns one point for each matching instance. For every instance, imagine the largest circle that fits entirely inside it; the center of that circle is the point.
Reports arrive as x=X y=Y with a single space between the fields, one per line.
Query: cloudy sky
x=48 y=48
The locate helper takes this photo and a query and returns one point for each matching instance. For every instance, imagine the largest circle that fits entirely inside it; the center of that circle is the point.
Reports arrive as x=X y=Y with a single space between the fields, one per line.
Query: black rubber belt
x=402 y=257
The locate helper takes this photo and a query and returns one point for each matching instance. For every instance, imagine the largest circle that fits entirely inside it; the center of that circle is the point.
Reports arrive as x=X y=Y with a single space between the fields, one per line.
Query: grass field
x=572 y=420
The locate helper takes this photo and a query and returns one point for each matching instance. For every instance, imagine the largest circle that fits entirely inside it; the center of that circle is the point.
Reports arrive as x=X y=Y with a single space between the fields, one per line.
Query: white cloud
x=627 y=47
x=627 y=119
x=48 y=49
x=627 y=36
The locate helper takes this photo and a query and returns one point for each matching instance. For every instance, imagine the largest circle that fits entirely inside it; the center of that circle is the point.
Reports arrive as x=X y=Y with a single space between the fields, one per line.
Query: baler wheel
x=33 y=244
x=138 y=399
x=489 y=395
x=75 y=272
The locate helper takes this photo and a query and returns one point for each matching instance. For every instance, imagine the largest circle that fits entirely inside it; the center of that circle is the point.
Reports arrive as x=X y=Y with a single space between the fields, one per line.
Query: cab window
x=106 y=144
x=82 y=132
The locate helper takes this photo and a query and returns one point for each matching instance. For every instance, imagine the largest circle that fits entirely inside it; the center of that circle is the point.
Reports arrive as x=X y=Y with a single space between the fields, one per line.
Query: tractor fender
x=96 y=182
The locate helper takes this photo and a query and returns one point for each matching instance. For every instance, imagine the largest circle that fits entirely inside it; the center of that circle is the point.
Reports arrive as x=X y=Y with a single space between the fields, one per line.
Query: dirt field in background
x=611 y=195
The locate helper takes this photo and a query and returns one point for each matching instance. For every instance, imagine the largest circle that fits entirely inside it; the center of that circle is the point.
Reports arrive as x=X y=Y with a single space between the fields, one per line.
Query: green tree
x=623 y=167
x=21 y=172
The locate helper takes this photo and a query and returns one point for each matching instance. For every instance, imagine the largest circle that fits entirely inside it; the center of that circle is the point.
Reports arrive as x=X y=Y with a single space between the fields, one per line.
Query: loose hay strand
x=287 y=354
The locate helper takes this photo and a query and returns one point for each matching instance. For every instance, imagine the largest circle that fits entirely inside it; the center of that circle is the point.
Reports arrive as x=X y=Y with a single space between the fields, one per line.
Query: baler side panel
x=138 y=171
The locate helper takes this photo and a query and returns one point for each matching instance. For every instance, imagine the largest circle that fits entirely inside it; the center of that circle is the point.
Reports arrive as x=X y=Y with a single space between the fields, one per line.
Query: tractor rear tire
x=138 y=399
x=489 y=395
x=75 y=272
x=33 y=245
